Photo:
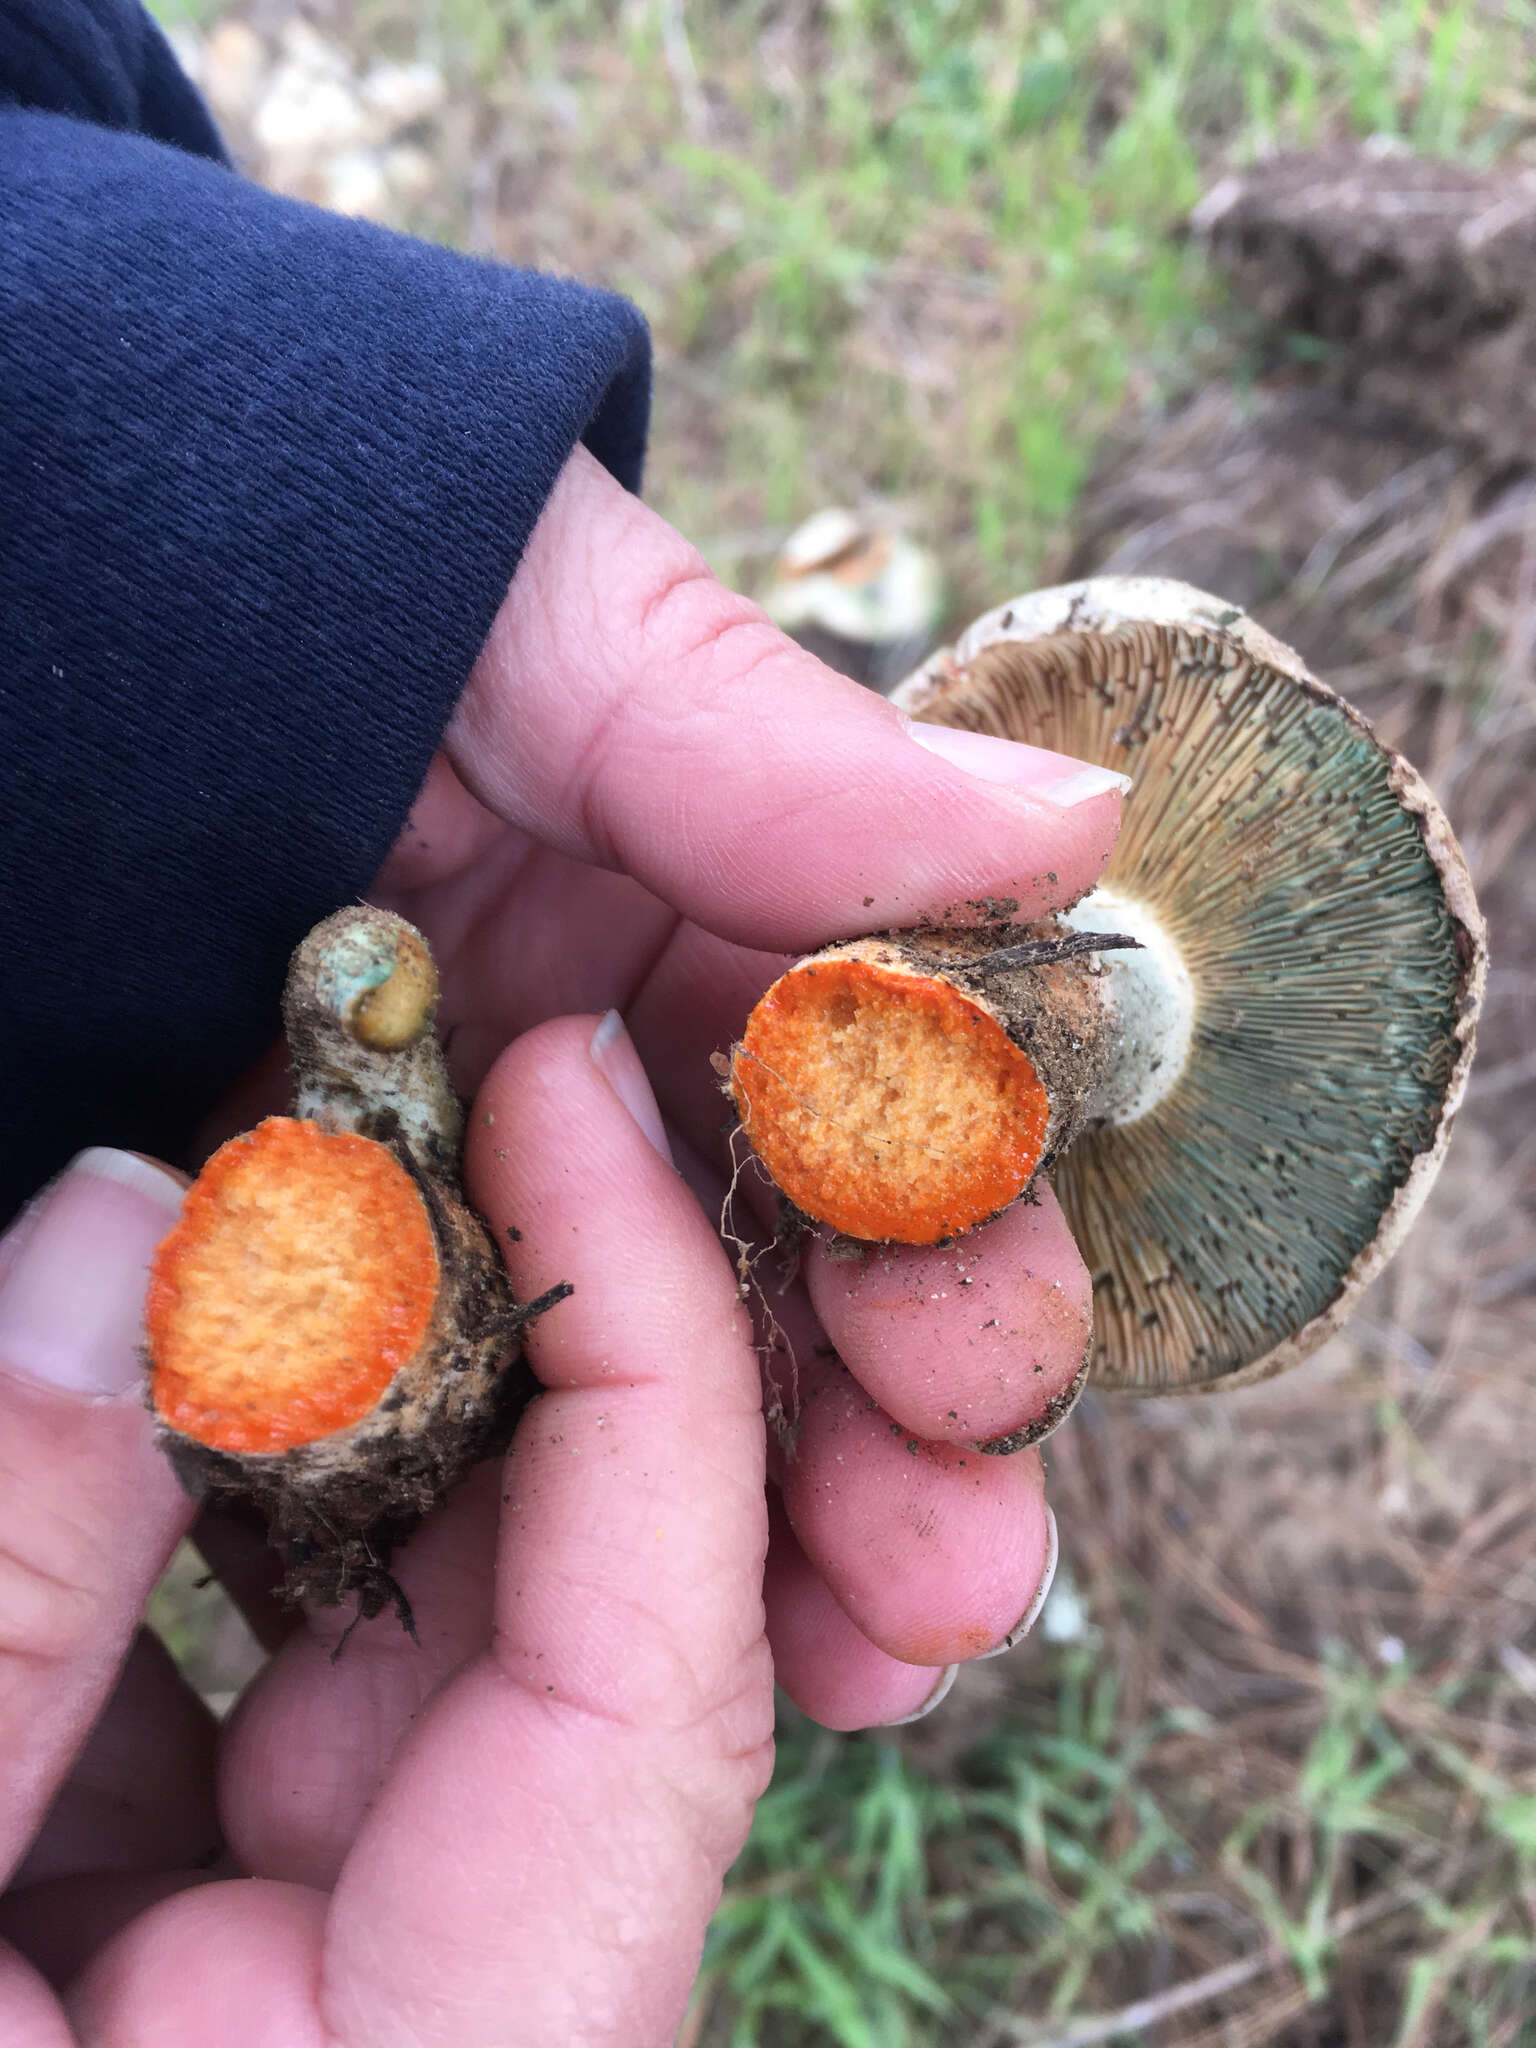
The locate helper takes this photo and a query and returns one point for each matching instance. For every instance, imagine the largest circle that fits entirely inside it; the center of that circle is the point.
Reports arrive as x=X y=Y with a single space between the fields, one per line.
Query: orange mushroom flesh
x=299 y=1279
x=887 y=1103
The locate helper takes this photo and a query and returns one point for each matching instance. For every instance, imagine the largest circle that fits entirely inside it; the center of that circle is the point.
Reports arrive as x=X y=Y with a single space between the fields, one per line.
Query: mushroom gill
x=1321 y=911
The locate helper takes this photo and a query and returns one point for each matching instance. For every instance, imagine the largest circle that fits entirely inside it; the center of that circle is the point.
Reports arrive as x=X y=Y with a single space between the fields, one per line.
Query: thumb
x=630 y=710
x=89 y=1509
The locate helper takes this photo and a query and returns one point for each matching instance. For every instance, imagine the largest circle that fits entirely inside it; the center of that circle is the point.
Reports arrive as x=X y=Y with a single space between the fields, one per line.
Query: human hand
x=626 y=710
x=514 y=1832
x=647 y=797
x=591 y=1721
x=646 y=788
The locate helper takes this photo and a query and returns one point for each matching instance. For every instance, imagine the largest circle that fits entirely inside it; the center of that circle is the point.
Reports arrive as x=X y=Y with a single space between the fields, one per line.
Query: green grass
x=879 y=1906
x=1032 y=162
x=186 y=13
x=843 y=1917
x=928 y=252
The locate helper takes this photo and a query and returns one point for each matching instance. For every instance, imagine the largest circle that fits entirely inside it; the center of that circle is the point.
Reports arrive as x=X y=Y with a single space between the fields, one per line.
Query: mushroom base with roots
x=1245 y=1103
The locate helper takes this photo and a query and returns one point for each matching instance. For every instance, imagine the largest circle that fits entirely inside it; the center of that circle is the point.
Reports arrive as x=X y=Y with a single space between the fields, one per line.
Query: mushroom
x=1292 y=999
x=330 y=1331
x=863 y=597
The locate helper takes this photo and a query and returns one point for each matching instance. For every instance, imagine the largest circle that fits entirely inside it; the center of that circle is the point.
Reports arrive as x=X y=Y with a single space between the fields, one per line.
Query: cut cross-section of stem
x=301 y=1279
x=330 y=1329
x=908 y=1087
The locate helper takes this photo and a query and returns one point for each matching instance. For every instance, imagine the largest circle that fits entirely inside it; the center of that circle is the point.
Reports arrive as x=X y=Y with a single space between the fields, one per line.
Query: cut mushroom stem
x=907 y=1087
x=1247 y=1089
x=330 y=1329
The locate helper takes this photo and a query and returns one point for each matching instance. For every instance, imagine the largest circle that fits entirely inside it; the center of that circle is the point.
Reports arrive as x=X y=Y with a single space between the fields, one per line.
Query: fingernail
x=19 y=1233
x=1068 y=790
x=1031 y=1614
x=614 y=1056
x=72 y=1303
x=947 y=1678
x=1050 y=778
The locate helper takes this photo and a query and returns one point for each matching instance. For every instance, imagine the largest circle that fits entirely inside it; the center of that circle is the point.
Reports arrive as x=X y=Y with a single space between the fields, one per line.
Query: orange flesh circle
x=298 y=1280
x=885 y=1103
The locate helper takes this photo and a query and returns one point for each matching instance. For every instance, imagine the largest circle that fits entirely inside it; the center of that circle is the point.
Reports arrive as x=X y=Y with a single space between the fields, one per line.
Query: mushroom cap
x=1327 y=922
x=845 y=574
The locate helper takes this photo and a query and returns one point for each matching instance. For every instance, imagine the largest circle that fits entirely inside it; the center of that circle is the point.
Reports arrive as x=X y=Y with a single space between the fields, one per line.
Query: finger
x=89 y=1509
x=309 y=1746
x=630 y=710
x=972 y=1343
x=139 y=1796
x=234 y=1963
x=30 y=2015
x=686 y=1361
x=59 y=1925
x=934 y=1551
x=552 y=1842
x=831 y=1671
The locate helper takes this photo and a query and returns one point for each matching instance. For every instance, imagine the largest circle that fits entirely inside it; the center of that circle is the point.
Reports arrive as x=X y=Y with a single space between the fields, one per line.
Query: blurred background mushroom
x=862 y=596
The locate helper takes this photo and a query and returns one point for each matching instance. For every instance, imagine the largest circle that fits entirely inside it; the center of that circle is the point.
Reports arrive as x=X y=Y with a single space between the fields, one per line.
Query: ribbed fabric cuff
x=265 y=475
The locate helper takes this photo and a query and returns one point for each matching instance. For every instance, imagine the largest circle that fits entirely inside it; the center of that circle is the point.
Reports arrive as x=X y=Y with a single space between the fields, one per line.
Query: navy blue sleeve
x=265 y=475
x=103 y=61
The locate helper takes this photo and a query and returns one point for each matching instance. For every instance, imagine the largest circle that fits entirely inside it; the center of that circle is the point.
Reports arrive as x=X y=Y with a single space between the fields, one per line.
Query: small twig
x=519 y=1317
x=1148 y=2012
x=1041 y=952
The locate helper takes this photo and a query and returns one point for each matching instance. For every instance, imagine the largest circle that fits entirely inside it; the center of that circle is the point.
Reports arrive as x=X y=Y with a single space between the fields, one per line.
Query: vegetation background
x=1267 y=1773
